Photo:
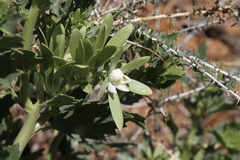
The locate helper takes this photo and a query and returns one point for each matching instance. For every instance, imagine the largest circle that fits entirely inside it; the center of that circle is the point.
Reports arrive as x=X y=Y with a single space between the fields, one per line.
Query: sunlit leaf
x=81 y=71
x=88 y=50
x=116 y=109
x=59 y=61
x=11 y=152
x=9 y=20
x=105 y=54
x=139 y=88
x=134 y=64
x=76 y=46
x=121 y=36
x=103 y=32
x=116 y=59
x=57 y=41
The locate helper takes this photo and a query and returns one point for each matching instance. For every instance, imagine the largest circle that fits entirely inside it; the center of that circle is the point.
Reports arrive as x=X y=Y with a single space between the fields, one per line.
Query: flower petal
x=126 y=79
x=111 y=88
x=123 y=87
x=115 y=75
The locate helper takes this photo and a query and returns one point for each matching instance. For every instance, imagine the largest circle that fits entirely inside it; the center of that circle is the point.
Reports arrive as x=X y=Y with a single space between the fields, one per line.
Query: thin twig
x=150 y=50
x=185 y=14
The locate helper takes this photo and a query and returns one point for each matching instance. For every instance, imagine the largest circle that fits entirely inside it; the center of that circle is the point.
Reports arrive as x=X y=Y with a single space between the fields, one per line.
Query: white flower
x=118 y=80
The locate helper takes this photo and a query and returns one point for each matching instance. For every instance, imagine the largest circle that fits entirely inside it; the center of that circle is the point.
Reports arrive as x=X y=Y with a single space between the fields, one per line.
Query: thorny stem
x=185 y=14
x=195 y=62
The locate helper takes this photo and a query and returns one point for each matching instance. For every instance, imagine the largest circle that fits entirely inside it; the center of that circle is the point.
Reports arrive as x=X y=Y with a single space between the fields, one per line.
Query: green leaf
x=59 y=9
x=76 y=46
x=105 y=54
x=88 y=47
x=57 y=41
x=83 y=31
x=121 y=36
x=10 y=42
x=199 y=155
x=9 y=20
x=61 y=78
x=11 y=153
x=170 y=37
x=25 y=60
x=89 y=120
x=47 y=67
x=87 y=88
x=81 y=71
x=99 y=43
x=137 y=119
x=45 y=5
x=92 y=61
x=59 y=61
x=104 y=32
x=174 y=72
x=63 y=70
x=139 y=88
x=202 y=51
x=80 y=53
x=134 y=64
x=8 y=74
x=103 y=88
x=61 y=103
x=116 y=59
x=61 y=100
x=116 y=109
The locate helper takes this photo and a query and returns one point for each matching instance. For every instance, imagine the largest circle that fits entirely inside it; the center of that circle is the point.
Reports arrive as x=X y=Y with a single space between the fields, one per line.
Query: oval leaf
x=57 y=41
x=139 y=88
x=105 y=54
x=104 y=32
x=116 y=109
x=75 y=36
x=121 y=36
x=134 y=64
x=81 y=71
x=88 y=50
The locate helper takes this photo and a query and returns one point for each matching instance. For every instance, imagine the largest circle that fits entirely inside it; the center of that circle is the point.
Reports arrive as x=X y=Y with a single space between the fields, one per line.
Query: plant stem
x=27 y=130
x=30 y=23
x=32 y=111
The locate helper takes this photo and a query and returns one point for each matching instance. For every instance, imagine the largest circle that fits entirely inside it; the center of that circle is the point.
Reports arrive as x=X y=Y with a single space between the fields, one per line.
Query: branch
x=185 y=14
x=197 y=64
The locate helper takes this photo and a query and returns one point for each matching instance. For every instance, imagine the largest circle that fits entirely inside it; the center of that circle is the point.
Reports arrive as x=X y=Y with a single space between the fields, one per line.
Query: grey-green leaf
x=73 y=43
x=139 y=88
x=57 y=40
x=116 y=58
x=116 y=109
x=81 y=71
x=80 y=53
x=103 y=88
x=104 y=32
x=105 y=54
x=121 y=36
x=88 y=50
x=134 y=64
